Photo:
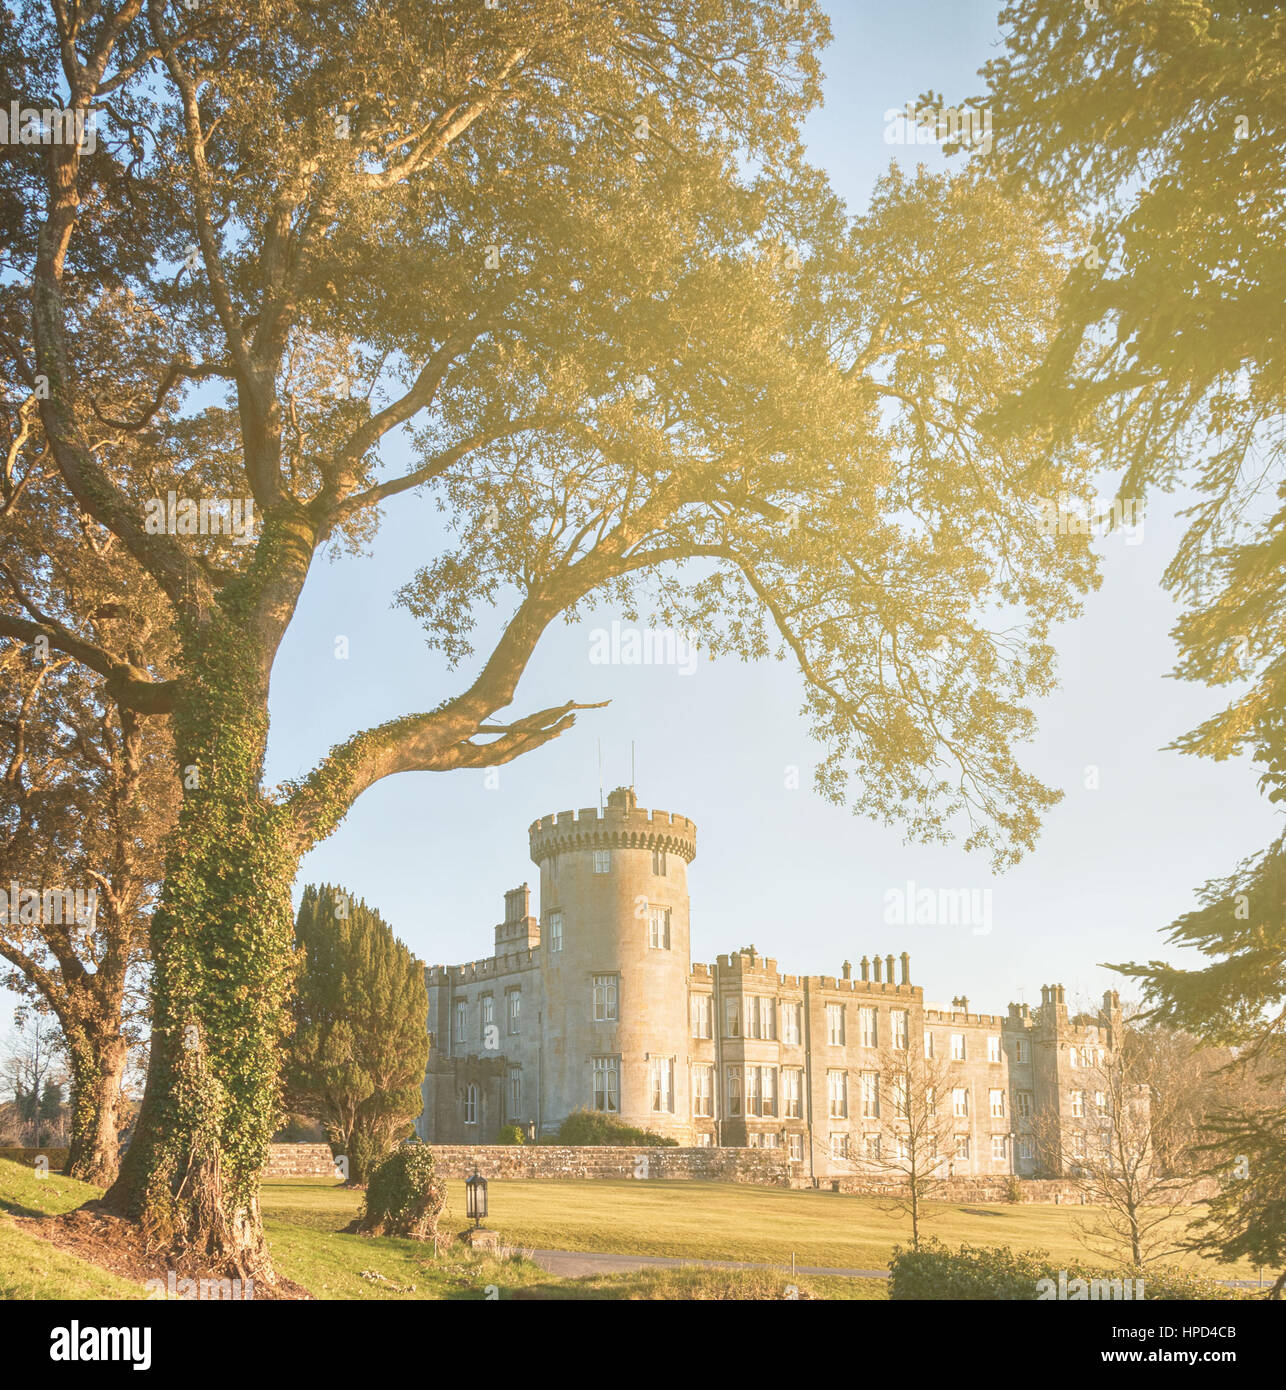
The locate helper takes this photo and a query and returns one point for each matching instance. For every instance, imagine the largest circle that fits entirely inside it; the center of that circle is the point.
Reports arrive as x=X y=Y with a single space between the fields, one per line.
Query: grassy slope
x=32 y=1268
x=723 y=1221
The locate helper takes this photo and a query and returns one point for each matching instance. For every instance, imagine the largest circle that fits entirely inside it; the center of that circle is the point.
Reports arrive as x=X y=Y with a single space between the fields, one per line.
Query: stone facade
x=595 y=1004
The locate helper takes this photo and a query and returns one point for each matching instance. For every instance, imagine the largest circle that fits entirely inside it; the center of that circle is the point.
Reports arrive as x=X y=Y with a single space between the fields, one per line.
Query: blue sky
x=803 y=880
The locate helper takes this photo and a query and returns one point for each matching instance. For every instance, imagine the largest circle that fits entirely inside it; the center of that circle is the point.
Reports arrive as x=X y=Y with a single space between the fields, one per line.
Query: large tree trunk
x=98 y=1070
x=222 y=958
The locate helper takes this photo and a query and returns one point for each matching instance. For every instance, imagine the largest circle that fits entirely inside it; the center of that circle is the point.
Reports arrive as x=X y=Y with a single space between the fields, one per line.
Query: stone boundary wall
x=989 y=1190
x=767 y=1167
x=299 y=1161
x=764 y=1167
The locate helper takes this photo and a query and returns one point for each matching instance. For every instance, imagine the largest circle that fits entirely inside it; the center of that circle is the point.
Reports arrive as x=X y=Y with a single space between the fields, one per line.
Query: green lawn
x=304 y=1221
x=305 y=1218
x=723 y=1221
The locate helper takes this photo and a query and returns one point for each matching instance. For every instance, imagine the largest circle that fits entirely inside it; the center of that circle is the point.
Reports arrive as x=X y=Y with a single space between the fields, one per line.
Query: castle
x=596 y=1005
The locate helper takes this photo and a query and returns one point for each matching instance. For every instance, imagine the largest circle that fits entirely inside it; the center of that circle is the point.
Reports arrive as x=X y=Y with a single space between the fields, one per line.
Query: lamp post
x=475 y=1198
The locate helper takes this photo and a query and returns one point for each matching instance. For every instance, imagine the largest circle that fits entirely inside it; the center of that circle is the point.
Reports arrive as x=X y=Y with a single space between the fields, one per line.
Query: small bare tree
x=29 y=1067
x=1108 y=1148
x=912 y=1145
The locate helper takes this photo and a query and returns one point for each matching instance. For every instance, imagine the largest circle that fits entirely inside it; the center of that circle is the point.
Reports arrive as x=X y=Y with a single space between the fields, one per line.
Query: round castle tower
x=616 y=975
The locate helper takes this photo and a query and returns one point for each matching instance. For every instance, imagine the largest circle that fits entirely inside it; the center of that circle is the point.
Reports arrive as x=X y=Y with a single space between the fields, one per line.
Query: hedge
x=591 y=1128
x=997 y=1273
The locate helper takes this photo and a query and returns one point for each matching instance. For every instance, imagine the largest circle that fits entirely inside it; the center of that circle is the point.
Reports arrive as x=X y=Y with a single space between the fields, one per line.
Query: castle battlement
x=622 y=825
x=487 y=968
x=979 y=1020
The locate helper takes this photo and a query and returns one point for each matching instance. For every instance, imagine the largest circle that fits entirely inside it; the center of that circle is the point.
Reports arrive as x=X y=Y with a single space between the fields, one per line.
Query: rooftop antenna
x=600 y=774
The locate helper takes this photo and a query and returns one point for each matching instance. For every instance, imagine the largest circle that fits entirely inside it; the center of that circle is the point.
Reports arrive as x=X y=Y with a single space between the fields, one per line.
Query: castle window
x=839 y=1144
x=602 y=861
x=702 y=1016
x=998 y=1147
x=658 y=928
x=795 y=1148
x=703 y=1092
x=1073 y=1057
x=515 y=1092
x=928 y=1043
x=904 y=1148
x=732 y=1091
x=731 y=1018
x=658 y=862
x=605 y=998
x=761 y=1098
x=901 y=1022
x=761 y=1017
x=837 y=1093
x=962 y=1146
x=513 y=1005
x=960 y=1100
x=900 y=1092
x=662 y=1077
x=772 y=1140
x=997 y=1100
x=1026 y=1149
x=555 y=922
x=868 y=1025
x=607 y=1084
x=490 y=1035
x=931 y=1100
x=993 y=1049
x=870 y=1094
x=835 y=1025
x=792 y=1093
x=1020 y=1050
x=1023 y=1101
x=1078 y=1103
x=1100 y=1102
x=552 y=861
x=871 y=1145
x=458 y=1030
x=790 y=1023
x=705 y=1140
x=471 y=1104
x=957 y=1047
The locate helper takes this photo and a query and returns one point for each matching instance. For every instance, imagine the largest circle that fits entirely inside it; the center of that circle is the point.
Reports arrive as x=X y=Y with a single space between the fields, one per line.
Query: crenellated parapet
x=964 y=1017
x=622 y=825
x=488 y=968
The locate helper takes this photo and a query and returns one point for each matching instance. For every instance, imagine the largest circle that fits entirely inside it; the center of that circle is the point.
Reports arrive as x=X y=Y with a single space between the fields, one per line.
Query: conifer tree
x=359 y=1043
